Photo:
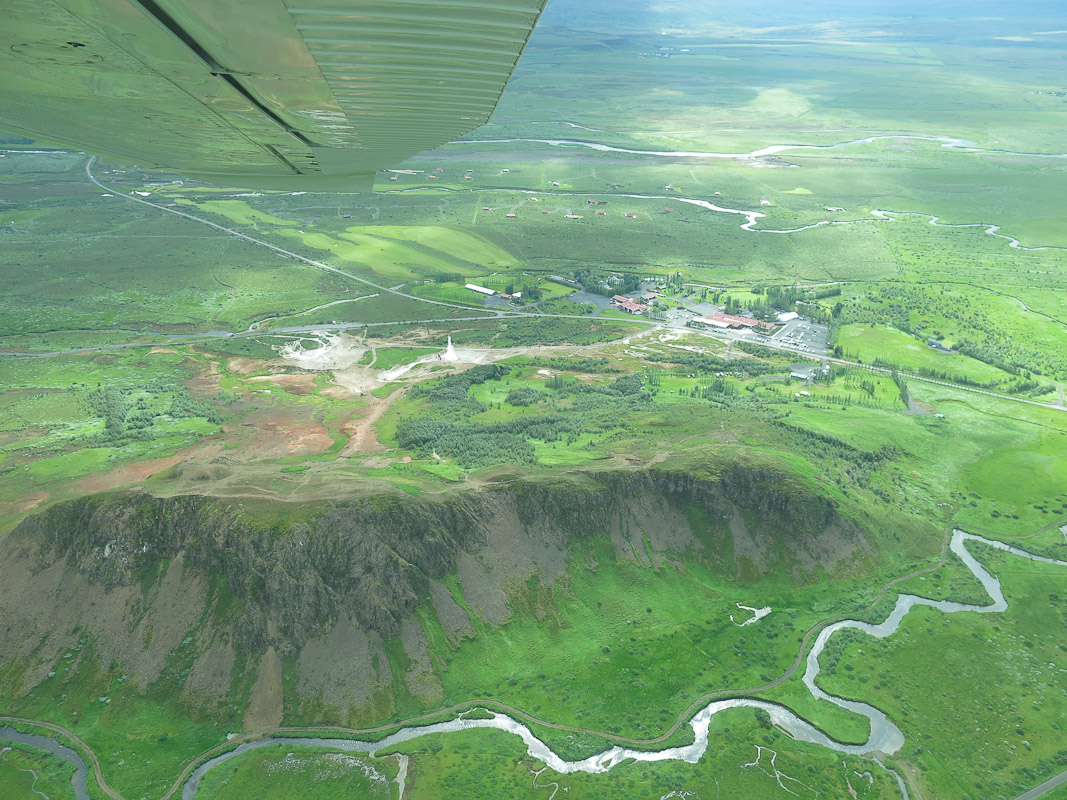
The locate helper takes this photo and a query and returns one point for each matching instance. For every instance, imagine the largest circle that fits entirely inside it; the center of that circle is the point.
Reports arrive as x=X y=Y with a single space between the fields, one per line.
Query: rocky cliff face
x=143 y=574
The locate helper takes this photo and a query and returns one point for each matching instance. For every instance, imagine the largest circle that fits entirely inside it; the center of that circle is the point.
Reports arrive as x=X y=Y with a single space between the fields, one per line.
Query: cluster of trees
x=109 y=402
x=130 y=412
x=701 y=364
x=984 y=333
x=470 y=444
x=448 y=432
x=788 y=295
x=714 y=388
x=560 y=305
x=598 y=281
x=773 y=299
x=759 y=350
x=854 y=464
x=451 y=394
x=541 y=330
x=523 y=396
x=475 y=444
x=599 y=365
x=902 y=385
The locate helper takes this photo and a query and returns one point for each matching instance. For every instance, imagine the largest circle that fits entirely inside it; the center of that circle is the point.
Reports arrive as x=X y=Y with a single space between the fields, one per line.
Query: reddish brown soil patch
x=361 y=435
x=30 y=501
x=239 y=365
x=294 y=384
x=208 y=386
x=280 y=433
x=131 y=473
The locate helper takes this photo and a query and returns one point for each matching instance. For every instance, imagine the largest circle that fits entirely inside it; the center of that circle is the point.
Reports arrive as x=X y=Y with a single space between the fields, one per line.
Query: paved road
x=1044 y=788
x=489 y=313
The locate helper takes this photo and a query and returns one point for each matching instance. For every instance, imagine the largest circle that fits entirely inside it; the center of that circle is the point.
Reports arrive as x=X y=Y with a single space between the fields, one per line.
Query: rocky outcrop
x=270 y=580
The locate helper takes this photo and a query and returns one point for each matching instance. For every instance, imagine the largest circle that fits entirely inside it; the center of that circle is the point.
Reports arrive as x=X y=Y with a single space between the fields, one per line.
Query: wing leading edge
x=260 y=93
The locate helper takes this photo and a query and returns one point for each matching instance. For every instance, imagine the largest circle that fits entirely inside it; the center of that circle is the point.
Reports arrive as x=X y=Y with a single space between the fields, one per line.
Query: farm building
x=633 y=307
x=480 y=289
x=708 y=322
x=720 y=320
x=626 y=304
x=787 y=316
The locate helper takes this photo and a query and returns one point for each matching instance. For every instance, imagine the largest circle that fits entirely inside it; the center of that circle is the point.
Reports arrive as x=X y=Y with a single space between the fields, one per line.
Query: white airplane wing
x=302 y=94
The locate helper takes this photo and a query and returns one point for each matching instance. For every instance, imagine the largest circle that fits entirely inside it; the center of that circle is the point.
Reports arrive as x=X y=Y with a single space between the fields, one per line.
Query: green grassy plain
x=282 y=772
x=26 y=772
x=1018 y=745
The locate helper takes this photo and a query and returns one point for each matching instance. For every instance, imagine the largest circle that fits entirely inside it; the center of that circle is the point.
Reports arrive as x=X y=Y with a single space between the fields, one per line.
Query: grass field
x=26 y=772
x=867 y=343
x=277 y=773
x=1013 y=651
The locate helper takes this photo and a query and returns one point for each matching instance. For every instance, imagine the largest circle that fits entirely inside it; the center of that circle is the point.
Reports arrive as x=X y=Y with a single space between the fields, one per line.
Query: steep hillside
x=213 y=594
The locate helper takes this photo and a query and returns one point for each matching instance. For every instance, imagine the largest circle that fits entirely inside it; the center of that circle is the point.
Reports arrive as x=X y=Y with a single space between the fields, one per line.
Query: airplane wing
x=301 y=94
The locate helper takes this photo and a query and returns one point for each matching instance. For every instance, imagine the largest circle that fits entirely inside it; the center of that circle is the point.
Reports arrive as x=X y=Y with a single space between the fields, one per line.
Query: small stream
x=752 y=218
x=52 y=747
x=885 y=738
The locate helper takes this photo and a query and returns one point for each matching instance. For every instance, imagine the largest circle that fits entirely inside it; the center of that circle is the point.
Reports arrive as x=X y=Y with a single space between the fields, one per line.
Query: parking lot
x=803 y=335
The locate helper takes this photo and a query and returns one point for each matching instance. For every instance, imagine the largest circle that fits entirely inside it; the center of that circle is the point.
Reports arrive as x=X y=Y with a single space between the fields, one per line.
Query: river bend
x=885 y=737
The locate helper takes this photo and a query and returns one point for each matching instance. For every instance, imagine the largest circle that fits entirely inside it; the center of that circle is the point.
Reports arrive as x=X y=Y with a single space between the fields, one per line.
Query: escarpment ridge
x=210 y=593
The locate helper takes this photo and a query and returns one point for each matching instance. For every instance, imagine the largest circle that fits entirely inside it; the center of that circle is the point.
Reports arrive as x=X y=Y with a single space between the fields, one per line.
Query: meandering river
x=52 y=746
x=885 y=737
x=947 y=142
